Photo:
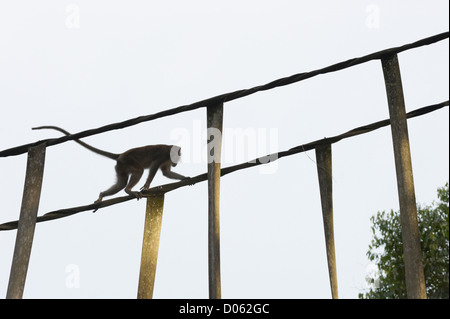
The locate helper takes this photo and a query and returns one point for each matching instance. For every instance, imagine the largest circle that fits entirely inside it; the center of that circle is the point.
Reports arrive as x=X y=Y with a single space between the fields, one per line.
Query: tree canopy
x=386 y=251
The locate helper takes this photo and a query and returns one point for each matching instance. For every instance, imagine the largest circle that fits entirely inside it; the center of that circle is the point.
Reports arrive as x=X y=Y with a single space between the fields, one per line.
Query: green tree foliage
x=386 y=252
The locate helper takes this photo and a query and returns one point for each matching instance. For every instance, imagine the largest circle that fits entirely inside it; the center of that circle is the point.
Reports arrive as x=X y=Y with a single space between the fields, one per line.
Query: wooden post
x=214 y=123
x=150 y=245
x=27 y=221
x=324 y=171
x=415 y=282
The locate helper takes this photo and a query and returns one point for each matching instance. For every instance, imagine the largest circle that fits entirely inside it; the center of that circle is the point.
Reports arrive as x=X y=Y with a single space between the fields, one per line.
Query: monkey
x=130 y=165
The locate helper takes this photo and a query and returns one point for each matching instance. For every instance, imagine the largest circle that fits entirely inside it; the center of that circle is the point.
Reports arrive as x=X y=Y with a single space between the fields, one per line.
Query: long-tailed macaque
x=130 y=165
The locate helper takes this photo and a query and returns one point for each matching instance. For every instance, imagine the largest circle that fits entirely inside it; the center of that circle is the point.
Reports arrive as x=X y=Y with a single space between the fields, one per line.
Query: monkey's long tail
x=89 y=147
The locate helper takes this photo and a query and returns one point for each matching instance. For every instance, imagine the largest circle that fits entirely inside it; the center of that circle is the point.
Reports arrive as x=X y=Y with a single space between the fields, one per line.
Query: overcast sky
x=85 y=64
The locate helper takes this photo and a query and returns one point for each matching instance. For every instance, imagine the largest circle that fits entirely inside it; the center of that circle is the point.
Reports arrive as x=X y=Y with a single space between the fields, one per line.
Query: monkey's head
x=175 y=155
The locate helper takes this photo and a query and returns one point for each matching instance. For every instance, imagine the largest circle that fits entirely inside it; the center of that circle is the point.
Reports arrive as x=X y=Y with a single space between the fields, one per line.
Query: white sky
x=124 y=59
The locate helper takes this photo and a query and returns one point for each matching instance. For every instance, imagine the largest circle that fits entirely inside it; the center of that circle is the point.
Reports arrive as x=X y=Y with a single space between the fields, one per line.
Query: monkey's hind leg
x=122 y=180
x=134 y=179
